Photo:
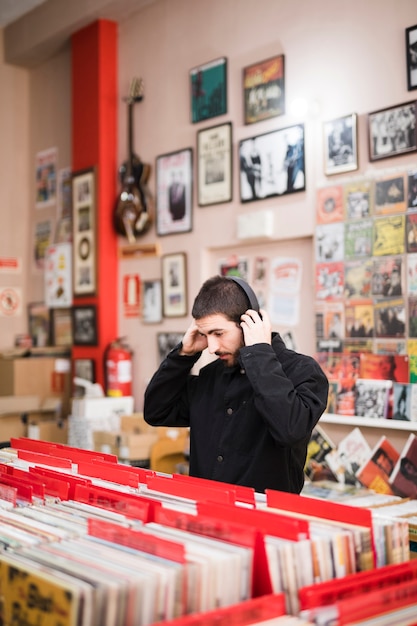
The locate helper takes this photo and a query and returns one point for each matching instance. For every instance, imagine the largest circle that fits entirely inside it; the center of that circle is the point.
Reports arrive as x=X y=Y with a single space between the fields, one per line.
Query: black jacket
x=249 y=424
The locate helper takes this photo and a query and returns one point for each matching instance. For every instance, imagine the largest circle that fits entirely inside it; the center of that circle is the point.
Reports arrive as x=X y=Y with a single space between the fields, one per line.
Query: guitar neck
x=130 y=138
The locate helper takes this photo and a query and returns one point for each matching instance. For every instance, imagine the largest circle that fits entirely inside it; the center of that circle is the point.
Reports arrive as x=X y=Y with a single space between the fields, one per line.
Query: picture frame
x=85 y=368
x=392 y=131
x=411 y=56
x=272 y=164
x=39 y=324
x=166 y=342
x=174 y=284
x=208 y=89
x=174 y=192
x=214 y=164
x=264 y=89
x=61 y=327
x=84 y=325
x=84 y=232
x=152 y=301
x=341 y=145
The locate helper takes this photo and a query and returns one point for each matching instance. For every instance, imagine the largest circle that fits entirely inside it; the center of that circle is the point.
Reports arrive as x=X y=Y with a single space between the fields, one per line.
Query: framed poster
x=84 y=368
x=264 y=89
x=167 y=342
x=340 y=145
x=272 y=164
x=392 y=131
x=174 y=284
x=46 y=177
x=411 y=56
x=214 y=164
x=84 y=233
x=84 y=325
x=58 y=275
x=152 y=302
x=39 y=324
x=61 y=327
x=174 y=192
x=208 y=85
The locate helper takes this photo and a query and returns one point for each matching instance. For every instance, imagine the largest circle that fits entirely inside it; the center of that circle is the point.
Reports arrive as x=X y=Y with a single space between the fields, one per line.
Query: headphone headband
x=250 y=294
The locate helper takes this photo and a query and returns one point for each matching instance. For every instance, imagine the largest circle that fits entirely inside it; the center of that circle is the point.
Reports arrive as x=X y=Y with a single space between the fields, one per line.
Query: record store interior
x=208 y=312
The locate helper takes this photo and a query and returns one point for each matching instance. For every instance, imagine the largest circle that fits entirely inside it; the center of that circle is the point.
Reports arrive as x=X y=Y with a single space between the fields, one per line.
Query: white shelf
x=332 y=418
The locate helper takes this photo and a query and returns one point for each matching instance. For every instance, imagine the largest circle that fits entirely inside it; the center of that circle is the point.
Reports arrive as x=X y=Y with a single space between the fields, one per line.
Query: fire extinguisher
x=118 y=368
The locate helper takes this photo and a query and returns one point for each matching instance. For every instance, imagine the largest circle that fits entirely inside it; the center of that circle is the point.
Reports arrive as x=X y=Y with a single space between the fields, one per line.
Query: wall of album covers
x=366 y=293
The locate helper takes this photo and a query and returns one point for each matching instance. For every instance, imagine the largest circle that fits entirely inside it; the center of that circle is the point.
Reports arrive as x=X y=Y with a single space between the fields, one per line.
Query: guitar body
x=131 y=216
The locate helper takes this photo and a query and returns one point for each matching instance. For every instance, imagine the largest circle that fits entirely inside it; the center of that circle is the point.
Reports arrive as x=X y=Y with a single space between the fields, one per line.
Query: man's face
x=224 y=338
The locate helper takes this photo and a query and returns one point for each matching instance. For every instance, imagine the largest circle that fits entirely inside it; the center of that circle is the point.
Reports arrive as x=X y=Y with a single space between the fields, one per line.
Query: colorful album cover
x=411 y=231
x=359 y=318
x=388 y=276
x=372 y=398
x=390 y=317
x=358 y=239
x=411 y=282
x=384 y=367
x=358 y=200
x=390 y=195
x=389 y=235
x=358 y=276
x=329 y=280
x=330 y=242
x=330 y=204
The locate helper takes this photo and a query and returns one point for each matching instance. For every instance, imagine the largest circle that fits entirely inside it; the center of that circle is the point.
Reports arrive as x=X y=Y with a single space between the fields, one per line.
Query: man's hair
x=220 y=295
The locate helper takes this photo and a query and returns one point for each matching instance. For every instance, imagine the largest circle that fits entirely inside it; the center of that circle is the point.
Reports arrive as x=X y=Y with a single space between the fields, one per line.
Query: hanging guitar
x=131 y=216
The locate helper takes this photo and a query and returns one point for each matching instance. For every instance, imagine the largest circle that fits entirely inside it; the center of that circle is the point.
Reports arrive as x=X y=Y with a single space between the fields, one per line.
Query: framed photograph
x=264 y=89
x=61 y=327
x=39 y=324
x=152 y=302
x=167 y=342
x=341 y=145
x=272 y=164
x=392 y=131
x=84 y=325
x=411 y=56
x=214 y=164
x=85 y=368
x=174 y=284
x=174 y=192
x=84 y=233
x=208 y=85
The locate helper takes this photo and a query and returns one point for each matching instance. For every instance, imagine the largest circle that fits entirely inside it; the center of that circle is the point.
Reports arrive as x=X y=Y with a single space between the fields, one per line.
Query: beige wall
x=341 y=57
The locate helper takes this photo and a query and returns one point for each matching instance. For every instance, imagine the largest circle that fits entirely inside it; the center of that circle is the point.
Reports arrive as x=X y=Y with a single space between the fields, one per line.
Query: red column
x=94 y=144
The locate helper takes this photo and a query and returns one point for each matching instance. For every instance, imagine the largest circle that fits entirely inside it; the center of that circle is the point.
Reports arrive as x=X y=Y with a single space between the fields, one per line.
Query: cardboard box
x=52 y=430
x=43 y=377
x=135 y=424
x=106 y=442
x=136 y=447
x=17 y=412
x=12 y=425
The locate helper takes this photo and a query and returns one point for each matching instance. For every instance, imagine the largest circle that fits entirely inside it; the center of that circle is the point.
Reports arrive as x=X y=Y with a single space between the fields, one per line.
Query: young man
x=252 y=410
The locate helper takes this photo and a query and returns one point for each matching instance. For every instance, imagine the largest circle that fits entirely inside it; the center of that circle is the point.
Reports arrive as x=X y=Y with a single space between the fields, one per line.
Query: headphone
x=250 y=294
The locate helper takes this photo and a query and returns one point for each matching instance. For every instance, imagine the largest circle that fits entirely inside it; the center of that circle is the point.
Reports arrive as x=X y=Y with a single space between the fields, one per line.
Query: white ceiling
x=11 y=10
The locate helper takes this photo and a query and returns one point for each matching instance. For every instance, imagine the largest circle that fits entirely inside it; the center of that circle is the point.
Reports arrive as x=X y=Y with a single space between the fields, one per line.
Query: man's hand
x=193 y=341
x=256 y=327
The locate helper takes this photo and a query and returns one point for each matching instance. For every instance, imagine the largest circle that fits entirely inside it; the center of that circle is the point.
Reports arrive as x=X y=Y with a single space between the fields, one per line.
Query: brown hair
x=220 y=295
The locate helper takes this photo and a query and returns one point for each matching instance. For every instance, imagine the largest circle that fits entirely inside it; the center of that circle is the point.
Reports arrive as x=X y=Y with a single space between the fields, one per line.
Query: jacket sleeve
x=290 y=392
x=166 y=398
